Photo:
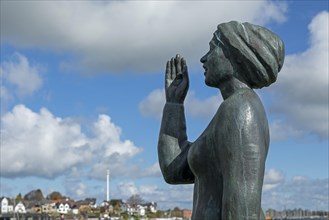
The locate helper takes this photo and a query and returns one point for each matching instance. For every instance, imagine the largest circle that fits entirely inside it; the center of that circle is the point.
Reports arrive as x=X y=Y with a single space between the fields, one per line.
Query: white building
x=63 y=208
x=5 y=206
x=141 y=210
x=20 y=208
x=152 y=207
x=134 y=210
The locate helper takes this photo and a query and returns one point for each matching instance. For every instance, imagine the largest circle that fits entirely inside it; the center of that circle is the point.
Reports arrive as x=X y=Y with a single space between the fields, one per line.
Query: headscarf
x=257 y=52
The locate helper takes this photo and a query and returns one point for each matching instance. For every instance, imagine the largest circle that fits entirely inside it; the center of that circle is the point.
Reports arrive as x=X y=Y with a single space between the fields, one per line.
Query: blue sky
x=82 y=92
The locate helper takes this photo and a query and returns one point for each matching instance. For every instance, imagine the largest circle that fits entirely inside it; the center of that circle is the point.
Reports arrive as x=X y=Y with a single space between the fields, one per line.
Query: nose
x=203 y=59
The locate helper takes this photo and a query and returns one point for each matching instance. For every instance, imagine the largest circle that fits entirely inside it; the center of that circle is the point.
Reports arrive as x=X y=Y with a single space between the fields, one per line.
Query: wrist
x=169 y=103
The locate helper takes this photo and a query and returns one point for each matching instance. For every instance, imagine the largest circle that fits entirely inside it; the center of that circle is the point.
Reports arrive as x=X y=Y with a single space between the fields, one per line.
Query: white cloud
x=299 y=192
x=40 y=144
x=153 y=104
x=81 y=190
x=127 y=189
x=202 y=108
x=75 y=188
x=118 y=36
x=301 y=93
x=5 y=94
x=153 y=170
x=272 y=179
x=280 y=130
x=113 y=151
x=20 y=73
x=107 y=136
x=167 y=197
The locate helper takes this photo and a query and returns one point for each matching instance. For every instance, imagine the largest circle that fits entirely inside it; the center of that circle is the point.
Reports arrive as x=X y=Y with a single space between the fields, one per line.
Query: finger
x=178 y=64
x=173 y=68
x=168 y=74
x=184 y=68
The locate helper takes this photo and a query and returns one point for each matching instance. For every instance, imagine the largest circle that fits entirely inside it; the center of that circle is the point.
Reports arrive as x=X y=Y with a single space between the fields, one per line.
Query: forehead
x=216 y=40
x=213 y=42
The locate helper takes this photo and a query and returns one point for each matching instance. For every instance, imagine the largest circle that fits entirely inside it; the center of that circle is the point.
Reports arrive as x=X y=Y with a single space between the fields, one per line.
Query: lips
x=205 y=68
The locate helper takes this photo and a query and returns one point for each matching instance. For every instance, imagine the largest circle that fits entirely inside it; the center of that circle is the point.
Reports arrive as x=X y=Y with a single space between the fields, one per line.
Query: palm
x=176 y=81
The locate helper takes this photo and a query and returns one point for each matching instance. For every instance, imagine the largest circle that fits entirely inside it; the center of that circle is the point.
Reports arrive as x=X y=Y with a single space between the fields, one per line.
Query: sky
x=82 y=92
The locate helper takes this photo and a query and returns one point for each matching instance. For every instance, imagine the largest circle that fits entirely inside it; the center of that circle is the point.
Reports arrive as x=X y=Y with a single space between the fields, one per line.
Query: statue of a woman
x=226 y=163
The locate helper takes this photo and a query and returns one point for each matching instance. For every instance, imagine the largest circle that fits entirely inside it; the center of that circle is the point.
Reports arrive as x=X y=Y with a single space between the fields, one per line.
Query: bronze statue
x=226 y=163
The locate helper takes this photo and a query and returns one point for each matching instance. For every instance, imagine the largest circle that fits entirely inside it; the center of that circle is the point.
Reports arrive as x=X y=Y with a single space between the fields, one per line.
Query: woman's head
x=256 y=53
x=218 y=67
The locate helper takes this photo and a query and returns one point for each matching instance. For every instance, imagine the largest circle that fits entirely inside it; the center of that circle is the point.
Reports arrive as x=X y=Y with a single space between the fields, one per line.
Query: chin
x=210 y=84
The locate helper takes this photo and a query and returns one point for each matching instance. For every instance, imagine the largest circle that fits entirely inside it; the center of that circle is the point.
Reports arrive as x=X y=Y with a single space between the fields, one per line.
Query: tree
x=54 y=196
x=84 y=210
x=135 y=200
x=34 y=195
x=18 y=198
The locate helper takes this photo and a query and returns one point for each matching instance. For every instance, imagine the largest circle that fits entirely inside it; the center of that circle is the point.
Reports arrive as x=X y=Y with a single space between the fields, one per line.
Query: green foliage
x=102 y=209
x=54 y=196
x=125 y=215
x=18 y=198
x=152 y=215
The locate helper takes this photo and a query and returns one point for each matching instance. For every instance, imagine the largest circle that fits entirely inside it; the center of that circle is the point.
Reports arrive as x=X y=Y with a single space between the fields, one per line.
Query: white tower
x=108 y=185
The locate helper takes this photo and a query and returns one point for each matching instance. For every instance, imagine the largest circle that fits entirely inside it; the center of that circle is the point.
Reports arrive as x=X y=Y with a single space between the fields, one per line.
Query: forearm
x=172 y=136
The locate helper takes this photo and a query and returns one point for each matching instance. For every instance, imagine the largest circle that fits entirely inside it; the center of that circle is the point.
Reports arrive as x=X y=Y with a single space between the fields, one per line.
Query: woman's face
x=217 y=67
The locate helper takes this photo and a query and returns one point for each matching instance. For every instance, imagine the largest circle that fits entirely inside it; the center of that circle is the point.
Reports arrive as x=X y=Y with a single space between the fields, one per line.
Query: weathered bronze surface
x=226 y=163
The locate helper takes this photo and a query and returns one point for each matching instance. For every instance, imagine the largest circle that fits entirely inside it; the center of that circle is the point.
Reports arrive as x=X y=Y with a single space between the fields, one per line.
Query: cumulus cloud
x=153 y=170
x=19 y=74
x=5 y=94
x=202 y=108
x=298 y=192
x=280 y=130
x=119 y=36
x=272 y=179
x=153 y=104
x=41 y=144
x=127 y=189
x=168 y=196
x=301 y=93
x=75 y=188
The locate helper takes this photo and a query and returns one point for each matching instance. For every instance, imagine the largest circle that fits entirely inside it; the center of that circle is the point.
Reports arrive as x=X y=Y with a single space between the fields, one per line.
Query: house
x=4 y=205
x=184 y=213
x=141 y=210
x=47 y=208
x=36 y=208
x=20 y=208
x=151 y=207
x=134 y=209
x=63 y=207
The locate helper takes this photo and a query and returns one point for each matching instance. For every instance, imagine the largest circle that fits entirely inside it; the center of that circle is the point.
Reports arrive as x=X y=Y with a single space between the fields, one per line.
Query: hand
x=176 y=82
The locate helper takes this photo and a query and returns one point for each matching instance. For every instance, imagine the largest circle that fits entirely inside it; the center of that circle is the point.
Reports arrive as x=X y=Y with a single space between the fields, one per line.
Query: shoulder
x=242 y=109
x=241 y=117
